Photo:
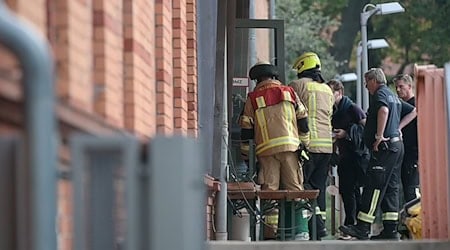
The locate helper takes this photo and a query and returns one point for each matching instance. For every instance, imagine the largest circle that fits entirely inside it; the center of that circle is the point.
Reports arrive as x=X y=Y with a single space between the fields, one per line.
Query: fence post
x=8 y=193
x=177 y=194
x=33 y=54
x=99 y=165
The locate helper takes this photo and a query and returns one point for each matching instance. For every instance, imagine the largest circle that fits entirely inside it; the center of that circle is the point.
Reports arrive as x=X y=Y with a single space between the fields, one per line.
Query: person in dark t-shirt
x=352 y=156
x=383 y=137
x=409 y=171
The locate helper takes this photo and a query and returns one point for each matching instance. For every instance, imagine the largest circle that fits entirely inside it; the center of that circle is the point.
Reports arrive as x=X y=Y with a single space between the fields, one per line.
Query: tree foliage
x=303 y=30
x=419 y=35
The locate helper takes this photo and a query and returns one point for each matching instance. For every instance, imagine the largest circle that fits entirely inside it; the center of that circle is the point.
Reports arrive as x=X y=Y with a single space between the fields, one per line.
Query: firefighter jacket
x=319 y=100
x=272 y=111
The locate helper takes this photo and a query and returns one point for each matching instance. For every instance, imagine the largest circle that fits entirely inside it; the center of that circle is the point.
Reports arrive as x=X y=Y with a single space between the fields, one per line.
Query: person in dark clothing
x=348 y=122
x=409 y=170
x=383 y=138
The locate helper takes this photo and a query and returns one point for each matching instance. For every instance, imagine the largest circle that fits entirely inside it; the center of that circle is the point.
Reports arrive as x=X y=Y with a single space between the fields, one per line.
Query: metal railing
x=40 y=143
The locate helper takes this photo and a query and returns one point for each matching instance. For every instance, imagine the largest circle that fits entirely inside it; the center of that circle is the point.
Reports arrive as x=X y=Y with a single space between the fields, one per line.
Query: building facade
x=127 y=66
x=140 y=68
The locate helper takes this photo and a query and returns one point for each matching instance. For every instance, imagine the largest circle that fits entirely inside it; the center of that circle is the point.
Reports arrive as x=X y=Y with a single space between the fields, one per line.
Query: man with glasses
x=383 y=137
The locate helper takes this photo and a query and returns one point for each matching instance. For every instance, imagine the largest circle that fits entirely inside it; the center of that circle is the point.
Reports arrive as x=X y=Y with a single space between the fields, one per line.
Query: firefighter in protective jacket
x=319 y=99
x=274 y=116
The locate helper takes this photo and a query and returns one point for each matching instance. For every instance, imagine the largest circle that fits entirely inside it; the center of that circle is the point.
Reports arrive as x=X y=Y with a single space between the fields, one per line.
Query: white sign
x=240 y=82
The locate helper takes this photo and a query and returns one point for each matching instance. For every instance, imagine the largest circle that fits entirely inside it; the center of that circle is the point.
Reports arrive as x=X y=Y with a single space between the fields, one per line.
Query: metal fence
x=125 y=197
x=123 y=201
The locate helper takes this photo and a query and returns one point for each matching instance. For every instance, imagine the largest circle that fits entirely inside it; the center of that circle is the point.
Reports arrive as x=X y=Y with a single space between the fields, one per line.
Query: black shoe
x=320 y=227
x=386 y=236
x=355 y=231
x=322 y=232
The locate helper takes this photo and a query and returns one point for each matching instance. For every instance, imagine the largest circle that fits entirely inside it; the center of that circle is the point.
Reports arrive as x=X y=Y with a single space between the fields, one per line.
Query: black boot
x=360 y=231
x=320 y=226
x=389 y=232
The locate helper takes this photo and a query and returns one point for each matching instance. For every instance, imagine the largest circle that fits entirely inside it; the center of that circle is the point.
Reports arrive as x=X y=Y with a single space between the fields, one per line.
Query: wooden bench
x=247 y=191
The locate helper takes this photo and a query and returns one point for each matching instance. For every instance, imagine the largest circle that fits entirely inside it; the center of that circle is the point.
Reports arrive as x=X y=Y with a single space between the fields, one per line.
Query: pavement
x=330 y=245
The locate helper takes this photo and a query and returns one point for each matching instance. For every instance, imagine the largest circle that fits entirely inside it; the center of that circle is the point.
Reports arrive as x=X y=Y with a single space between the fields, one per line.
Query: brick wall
x=108 y=60
x=131 y=63
x=192 y=98
x=34 y=13
x=70 y=34
x=127 y=64
x=139 y=61
x=164 y=67
x=179 y=25
x=65 y=211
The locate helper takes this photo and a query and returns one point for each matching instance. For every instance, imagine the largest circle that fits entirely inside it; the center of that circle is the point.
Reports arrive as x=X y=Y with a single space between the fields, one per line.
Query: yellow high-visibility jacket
x=319 y=99
x=272 y=111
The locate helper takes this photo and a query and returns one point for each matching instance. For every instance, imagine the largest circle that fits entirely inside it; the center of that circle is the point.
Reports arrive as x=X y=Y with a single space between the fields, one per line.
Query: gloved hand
x=302 y=153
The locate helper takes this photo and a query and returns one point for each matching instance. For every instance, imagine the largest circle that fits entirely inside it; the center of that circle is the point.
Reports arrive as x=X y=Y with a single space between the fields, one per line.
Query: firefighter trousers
x=382 y=184
x=316 y=174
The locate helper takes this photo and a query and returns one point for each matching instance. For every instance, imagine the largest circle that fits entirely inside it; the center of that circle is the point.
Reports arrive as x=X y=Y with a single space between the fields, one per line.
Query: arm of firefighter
x=247 y=132
x=302 y=125
x=301 y=113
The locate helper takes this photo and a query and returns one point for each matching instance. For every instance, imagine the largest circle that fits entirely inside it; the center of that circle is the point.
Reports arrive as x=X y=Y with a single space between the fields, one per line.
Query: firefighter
x=274 y=117
x=318 y=97
x=382 y=136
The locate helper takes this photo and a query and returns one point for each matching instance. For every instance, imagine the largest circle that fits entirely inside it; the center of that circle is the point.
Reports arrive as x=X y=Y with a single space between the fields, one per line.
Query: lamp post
x=371 y=44
x=379 y=9
x=347 y=77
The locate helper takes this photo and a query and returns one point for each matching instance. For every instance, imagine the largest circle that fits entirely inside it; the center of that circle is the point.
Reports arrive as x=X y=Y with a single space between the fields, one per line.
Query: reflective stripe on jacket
x=272 y=111
x=319 y=99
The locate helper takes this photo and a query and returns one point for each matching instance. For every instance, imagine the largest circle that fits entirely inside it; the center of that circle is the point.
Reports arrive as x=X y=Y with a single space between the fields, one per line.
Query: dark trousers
x=410 y=177
x=316 y=174
x=382 y=184
x=350 y=176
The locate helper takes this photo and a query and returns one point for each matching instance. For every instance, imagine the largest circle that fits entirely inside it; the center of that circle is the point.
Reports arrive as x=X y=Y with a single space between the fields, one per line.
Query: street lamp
x=379 y=9
x=347 y=77
x=371 y=44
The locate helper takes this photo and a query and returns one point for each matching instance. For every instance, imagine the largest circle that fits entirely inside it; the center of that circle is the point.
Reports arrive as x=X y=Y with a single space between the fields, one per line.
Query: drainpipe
x=272 y=32
x=251 y=42
x=221 y=206
x=33 y=54
x=220 y=137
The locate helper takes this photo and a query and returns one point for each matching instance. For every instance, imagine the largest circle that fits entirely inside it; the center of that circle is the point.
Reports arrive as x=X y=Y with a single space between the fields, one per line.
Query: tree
x=304 y=32
x=346 y=13
x=419 y=35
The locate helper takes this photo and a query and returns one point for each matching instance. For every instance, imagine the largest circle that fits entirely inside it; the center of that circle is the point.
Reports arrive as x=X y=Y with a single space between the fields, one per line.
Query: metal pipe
x=220 y=116
x=359 y=81
x=272 y=31
x=251 y=42
x=221 y=202
x=365 y=96
x=447 y=98
x=41 y=137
